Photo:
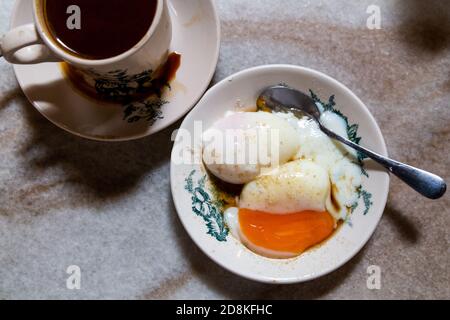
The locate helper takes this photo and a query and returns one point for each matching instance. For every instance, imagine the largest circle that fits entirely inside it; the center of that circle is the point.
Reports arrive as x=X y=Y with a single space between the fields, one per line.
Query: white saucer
x=196 y=36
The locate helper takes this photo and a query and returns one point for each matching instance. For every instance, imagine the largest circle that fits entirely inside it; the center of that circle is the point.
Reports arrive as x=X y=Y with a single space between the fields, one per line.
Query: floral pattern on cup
x=118 y=86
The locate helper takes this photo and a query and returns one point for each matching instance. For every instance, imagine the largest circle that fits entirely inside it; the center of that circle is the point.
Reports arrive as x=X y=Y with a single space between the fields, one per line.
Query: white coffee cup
x=33 y=43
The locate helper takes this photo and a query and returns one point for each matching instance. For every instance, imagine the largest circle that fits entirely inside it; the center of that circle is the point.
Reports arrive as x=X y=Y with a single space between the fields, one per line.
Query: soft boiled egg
x=283 y=213
x=239 y=147
x=293 y=200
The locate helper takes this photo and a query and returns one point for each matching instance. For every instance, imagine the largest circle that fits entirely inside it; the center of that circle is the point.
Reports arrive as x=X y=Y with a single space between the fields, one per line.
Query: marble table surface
x=107 y=207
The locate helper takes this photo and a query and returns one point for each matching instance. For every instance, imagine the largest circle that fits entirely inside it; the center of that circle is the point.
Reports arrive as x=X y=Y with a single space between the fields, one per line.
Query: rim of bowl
x=384 y=151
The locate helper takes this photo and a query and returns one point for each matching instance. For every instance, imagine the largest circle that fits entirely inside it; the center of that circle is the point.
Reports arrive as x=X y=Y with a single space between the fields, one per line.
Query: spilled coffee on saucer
x=98 y=29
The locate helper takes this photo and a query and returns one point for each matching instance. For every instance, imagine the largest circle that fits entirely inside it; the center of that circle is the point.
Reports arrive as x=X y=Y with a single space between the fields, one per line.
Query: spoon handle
x=426 y=183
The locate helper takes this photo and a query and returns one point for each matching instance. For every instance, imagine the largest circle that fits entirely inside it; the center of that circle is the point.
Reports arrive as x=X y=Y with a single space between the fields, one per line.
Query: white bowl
x=202 y=218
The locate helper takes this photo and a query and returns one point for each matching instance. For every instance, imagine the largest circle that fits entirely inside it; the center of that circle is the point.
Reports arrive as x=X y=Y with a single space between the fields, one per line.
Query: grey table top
x=107 y=207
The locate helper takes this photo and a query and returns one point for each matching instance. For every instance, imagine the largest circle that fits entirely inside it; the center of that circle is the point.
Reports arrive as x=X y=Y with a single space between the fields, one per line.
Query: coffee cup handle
x=23 y=45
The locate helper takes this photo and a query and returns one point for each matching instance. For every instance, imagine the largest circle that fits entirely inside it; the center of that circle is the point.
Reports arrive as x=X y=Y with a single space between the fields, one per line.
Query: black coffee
x=98 y=29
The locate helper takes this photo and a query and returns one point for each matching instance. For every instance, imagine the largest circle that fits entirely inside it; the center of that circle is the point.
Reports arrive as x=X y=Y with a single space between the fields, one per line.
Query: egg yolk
x=293 y=233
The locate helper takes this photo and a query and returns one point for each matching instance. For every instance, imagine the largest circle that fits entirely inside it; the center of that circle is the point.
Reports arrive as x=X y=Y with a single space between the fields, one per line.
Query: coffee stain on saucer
x=141 y=95
x=196 y=17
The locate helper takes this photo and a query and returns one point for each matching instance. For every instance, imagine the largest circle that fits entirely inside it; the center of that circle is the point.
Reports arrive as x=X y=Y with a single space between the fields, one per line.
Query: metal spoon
x=282 y=98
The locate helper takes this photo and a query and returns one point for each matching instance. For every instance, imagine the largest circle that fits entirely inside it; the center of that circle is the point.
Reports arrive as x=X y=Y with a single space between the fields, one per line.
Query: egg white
x=294 y=187
x=338 y=160
x=251 y=126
